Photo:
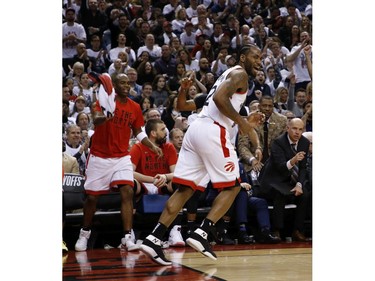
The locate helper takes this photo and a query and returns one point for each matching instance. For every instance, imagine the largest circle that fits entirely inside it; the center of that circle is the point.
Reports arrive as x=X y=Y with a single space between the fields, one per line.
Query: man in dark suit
x=282 y=176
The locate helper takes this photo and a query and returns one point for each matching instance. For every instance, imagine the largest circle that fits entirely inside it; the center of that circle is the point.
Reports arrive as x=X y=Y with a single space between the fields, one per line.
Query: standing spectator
x=72 y=34
x=298 y=58
x=109 y=165
x=279 y=181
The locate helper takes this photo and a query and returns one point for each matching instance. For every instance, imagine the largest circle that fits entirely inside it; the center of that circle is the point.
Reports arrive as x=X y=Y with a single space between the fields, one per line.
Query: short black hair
x=246 y=48
x=151 y=125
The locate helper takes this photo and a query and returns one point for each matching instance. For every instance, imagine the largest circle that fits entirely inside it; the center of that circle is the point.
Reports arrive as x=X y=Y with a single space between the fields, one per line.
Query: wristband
x=141 y=136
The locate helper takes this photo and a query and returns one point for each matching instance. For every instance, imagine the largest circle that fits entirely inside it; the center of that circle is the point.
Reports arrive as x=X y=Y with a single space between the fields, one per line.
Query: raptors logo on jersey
x=229 y=167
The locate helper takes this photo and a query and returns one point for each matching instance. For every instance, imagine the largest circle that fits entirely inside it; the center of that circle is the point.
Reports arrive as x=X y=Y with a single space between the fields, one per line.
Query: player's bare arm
x=235 y=82
x=148 y=143
x=182 y=103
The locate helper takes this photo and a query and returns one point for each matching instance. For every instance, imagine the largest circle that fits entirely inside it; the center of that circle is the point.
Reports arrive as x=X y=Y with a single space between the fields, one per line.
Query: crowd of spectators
x=157 y=43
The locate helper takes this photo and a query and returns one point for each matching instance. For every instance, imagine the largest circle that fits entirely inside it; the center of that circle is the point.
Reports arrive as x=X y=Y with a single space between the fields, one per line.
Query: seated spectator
x=79 y=106
x=207 y=52
x=219 y=65
x=135 y=88
x=98 y=55
x=146 y=72
x=171 y=114
x=146 y=93
x=280 y=100
x=85 y=89
x=118 y=66
x=75 y=73
x=307 y=116
x=143 y=57
x=153 y=49
x=82 y=57
x=166 y=64
x=173 y=83
x=190 y=64
x=167 y=35
x=188 y=36
x=159 y=91
x=153 y=174
x=259 y=89
x=178 y=24
x=83 y=120
x=175 y=45
x=77 y=146
x=121 y=47
x=176 y=137
x=282 y=178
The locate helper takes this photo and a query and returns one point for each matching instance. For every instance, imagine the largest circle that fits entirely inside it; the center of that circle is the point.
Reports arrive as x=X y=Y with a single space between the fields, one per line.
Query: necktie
x=295 y=169
x=265 y=142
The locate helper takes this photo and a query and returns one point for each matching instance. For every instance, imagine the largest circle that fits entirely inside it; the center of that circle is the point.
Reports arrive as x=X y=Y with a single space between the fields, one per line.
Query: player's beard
x=161 y=141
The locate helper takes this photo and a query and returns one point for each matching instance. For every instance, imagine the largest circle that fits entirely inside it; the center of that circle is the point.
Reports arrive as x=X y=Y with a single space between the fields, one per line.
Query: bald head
x=295 y=129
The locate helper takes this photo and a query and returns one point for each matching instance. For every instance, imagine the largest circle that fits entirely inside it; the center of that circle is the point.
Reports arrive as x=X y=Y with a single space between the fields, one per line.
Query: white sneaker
x=81 y=244
x=175 y=237
x=128 y=243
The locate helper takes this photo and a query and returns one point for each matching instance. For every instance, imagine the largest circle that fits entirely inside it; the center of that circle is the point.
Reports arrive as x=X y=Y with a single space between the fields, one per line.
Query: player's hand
x=256 y=118
x=160 y=180
x=186 y=83
x=258 y=155
x=245 y=185
x=157 y=150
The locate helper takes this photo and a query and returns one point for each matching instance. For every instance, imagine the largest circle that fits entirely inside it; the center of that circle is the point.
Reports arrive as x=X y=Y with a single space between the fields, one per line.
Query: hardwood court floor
x=284 y=262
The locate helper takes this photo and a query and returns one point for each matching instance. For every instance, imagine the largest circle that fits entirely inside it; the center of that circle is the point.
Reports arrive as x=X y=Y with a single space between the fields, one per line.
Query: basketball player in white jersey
x=207 y=150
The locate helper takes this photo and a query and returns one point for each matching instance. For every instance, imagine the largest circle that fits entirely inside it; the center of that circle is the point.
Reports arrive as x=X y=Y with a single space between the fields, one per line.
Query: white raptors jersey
x=210 y=109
